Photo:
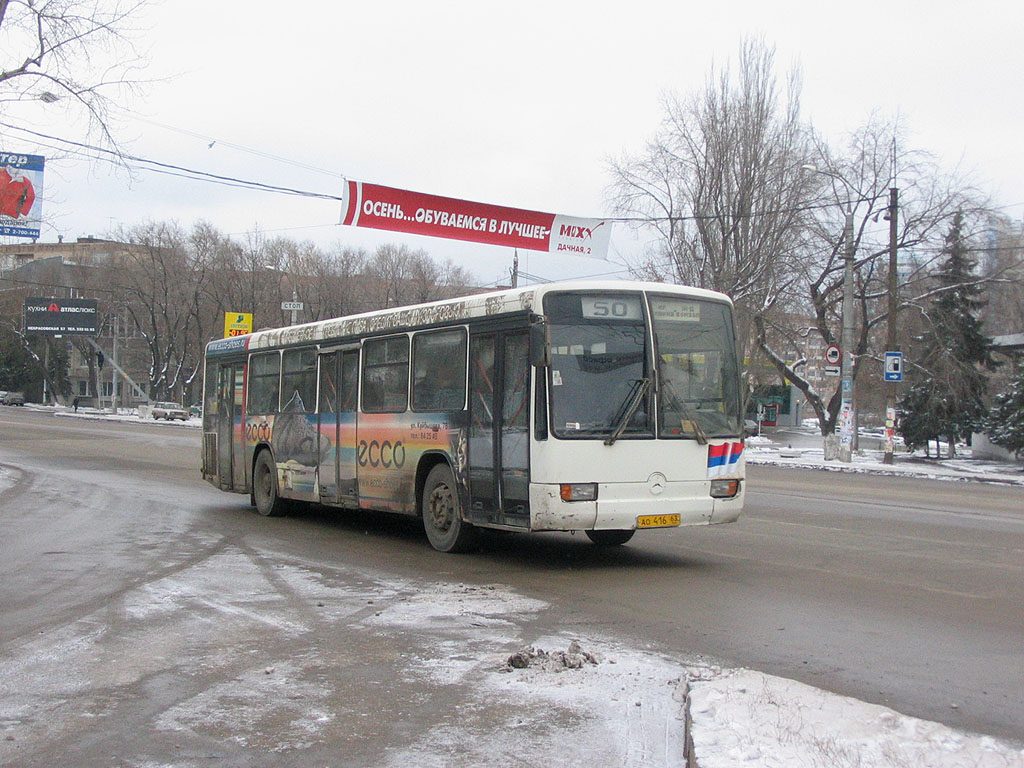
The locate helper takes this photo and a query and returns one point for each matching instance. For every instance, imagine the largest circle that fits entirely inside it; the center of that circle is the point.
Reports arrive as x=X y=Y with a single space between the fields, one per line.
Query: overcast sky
x=520 y=104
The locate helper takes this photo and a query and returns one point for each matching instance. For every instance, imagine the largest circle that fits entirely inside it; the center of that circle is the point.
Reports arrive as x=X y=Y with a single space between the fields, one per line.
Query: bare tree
x=725 y=185
x=340 y=286
x=857 y=179
x=80 y=52
x=160 y=282
x=392 y=272
x=722 y=184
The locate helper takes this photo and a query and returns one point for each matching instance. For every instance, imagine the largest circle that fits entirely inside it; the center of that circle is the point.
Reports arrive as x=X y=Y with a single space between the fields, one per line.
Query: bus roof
x=396 y=319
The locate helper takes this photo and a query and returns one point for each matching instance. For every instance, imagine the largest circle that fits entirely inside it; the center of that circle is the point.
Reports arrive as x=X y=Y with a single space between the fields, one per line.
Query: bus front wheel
x=442 y=519
x=610 y=538
x=264 y=487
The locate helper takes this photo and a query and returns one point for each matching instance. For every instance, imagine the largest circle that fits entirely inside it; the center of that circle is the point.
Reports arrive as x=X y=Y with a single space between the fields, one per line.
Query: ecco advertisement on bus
x=21 y=194
x=399 y=210
x=61 y=317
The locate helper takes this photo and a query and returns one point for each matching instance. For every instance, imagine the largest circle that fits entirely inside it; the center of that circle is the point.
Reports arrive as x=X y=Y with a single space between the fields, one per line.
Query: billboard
x=61 y=317
x=399 y=210
x=237 y=324
x=21 y=194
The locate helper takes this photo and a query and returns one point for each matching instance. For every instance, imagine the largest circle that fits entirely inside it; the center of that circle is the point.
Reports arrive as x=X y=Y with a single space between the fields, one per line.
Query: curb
x=682 y=694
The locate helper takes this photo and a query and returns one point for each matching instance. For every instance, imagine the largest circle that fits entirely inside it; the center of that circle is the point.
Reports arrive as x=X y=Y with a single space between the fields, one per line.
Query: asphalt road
x=908 y=593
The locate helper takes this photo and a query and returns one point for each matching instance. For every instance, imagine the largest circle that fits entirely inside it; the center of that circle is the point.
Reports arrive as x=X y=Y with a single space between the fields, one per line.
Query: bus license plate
x=657 y=521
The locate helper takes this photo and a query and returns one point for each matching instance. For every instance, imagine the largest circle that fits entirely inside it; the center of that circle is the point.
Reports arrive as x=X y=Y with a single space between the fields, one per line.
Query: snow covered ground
x=766 y=450
x=631 y=702
x=742 y=717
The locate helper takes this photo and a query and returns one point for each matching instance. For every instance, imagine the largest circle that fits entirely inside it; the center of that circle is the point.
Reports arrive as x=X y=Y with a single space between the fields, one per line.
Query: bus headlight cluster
x=578 y=491
x=724 y=489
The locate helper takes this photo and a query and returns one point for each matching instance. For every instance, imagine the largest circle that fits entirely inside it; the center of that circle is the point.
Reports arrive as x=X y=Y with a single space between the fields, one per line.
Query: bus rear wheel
x=610 y=538
x=264 y=487
x=442 y=518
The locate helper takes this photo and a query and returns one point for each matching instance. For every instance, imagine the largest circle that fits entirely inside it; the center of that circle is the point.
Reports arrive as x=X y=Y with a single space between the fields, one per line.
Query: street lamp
x=846 y=420
x=890 y=321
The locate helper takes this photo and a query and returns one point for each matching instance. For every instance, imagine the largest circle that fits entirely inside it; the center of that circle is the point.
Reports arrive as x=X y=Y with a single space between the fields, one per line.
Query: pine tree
x=950 y=401
x=1005 y=423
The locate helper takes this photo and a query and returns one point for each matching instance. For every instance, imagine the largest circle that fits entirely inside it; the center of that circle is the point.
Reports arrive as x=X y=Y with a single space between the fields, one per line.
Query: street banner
x=399 y=210
x=61 y=317
x=21 y=194
x=237 y=324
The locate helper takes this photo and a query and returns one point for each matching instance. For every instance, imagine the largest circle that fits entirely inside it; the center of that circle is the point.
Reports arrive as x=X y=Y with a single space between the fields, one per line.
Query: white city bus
x=602 y=407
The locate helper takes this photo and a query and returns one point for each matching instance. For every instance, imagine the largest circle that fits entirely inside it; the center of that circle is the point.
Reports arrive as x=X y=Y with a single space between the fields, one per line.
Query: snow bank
x=742 y=717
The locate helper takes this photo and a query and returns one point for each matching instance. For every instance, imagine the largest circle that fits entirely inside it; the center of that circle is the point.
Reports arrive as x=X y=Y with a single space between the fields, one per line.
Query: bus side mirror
x=540 y=355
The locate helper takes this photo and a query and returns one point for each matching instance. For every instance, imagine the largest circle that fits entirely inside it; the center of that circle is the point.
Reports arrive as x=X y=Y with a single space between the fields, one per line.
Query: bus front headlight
x=724 y=489
x=578 y=491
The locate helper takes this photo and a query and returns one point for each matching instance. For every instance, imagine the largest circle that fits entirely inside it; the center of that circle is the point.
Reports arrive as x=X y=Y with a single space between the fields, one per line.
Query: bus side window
x=439 y=371
x=298 y=382
x=385 y=374
x=264 y=382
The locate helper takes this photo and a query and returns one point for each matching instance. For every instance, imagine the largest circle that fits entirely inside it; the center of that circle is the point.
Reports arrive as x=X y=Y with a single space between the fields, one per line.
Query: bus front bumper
x=626 y=506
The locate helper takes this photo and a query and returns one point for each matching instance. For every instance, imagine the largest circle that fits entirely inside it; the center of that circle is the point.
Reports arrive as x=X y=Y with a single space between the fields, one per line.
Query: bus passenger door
x=230 y=445
x=327 y=427
x=515 y=427
x=499 y=428
x=339 y=380
x=483 y=486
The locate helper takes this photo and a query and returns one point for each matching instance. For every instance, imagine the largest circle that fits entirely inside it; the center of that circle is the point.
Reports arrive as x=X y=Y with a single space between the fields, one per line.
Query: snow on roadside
x=595 y=703
x=126 y=415
x=7 y=479
x=742 y=717
x=761 y=450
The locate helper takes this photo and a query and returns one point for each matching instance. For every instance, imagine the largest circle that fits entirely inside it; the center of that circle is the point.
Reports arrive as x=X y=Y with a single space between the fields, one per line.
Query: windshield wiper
x=627 y=409
x=679 y=404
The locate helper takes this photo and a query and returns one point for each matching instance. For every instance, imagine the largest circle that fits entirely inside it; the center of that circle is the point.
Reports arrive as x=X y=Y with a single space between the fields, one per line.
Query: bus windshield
x=600 y=366
x=697 y=368
x=598 y=354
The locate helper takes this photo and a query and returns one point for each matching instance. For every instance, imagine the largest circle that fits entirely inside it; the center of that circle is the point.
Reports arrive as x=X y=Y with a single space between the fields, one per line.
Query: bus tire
x=442 y=514
x=265 y=492
x=610 y=538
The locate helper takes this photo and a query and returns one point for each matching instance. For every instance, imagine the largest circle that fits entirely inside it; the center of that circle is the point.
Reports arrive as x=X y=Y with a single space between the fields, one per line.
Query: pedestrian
x=75 y=403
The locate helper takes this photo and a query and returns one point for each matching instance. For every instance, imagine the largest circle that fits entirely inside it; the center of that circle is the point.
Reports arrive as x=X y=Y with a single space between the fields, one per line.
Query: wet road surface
x=902 y=592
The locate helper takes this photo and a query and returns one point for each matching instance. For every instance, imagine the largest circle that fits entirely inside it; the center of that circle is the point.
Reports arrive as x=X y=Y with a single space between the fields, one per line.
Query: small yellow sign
x=237 y=323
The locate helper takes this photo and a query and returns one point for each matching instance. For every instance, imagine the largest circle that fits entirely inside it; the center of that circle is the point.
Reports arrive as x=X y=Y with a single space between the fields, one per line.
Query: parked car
x=169 y=411
x=750 y=428
x=13 y=398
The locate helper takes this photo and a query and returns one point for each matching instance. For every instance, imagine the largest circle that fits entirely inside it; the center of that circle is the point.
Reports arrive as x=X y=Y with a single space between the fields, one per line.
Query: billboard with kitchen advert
x=61 y=317
x=399 y=210
x=21 y=194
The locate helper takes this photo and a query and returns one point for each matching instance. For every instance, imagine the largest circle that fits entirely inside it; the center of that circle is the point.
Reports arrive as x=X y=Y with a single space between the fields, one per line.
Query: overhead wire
x=178 y=171
x=157 y=166
x=171 y=169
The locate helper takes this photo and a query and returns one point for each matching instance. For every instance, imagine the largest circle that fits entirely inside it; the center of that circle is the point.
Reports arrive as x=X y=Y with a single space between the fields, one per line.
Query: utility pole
x=846 y=419
x=890 y=325
x=113 y=367
x=515 y=269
